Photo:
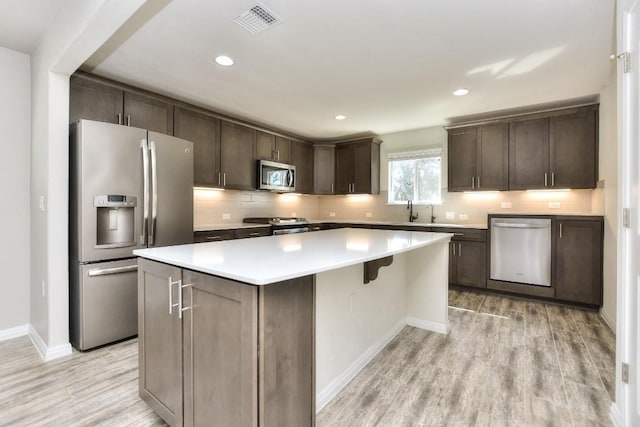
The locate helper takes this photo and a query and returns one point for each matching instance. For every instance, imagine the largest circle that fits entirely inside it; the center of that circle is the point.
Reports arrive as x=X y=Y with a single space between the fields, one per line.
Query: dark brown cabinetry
x=559 y=151
x=213 y=236
x=358 y=167
x=225 y=339
x=478 y=158
x=578 y=260
x=467 y=256
x=238 y=156
x=302 y=159
x=324 y=167
x=273 y=147
x=93 y=100
x=244 y=233
x=204 y=131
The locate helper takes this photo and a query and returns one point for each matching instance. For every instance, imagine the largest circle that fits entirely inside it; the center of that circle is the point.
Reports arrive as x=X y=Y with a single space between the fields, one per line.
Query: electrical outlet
x=463 y=217
x=332 y=214
x=226 y=216
x=294 y=214
x=368 y=214
x=505 y=205
x=451 y=215
x=554 y=205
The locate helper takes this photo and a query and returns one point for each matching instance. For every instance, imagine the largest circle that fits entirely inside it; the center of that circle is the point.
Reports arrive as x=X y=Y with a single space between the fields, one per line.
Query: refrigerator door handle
x=145 y=180
x=154 y=196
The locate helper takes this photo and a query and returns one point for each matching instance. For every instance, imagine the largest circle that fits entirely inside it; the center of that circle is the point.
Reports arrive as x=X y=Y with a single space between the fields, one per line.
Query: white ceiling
x=23 y=22
x=387 y=65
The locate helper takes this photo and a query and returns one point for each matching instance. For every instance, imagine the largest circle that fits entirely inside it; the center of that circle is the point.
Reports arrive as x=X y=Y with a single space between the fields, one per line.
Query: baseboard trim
x=335 y=386
x=15 y=332
x=610 y=323
x=48 y=353
x=440 y=328
x=614 y=415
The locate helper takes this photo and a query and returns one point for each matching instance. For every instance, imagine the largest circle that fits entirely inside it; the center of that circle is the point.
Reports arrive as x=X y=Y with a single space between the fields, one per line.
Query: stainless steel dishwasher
x=521 y=250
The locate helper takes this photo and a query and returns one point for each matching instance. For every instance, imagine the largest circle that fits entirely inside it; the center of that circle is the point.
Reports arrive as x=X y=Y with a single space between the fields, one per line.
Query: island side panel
x=427 y=287
x=287 y=351
x=355 y=321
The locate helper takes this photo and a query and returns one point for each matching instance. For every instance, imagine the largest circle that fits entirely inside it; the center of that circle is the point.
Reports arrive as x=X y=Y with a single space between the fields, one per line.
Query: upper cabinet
x=94 y=100
x=358 y=167
x=478 y=158
x=204 y=131
x=547 y=150
x=302 y=159
x=273 y=147
x=238 y=156
x=324 y=167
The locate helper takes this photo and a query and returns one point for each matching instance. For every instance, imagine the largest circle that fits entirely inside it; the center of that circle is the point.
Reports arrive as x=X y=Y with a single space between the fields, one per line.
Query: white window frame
x=413 y=155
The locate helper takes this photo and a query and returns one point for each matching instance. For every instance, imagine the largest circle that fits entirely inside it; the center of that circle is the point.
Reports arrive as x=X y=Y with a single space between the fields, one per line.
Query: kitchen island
x=265 y=331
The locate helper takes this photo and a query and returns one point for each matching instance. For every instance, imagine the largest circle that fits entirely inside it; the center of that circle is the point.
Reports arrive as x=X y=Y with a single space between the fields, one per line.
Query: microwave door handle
x=145 y=190
x=154 y=194
x=290 y=176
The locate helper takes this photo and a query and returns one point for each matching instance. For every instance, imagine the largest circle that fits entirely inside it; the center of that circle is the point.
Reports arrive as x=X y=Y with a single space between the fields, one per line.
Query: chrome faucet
x=412 y=217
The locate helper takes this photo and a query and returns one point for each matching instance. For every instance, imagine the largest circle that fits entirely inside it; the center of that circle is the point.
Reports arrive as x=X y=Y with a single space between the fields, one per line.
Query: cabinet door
x=204 y=132
x=366 y=168
x=344 y=168
x=578 y=275
x=573 y=150
x=238 y=156
x=160 y=340
x=461 y=162
x=94 y=101
x=148 y=113
x=302 y=158
x=324 y=169
x=471 y=264
x=492 y=168
x=265 y=143
x=220 y=352
x=529 y=154
x=283 y=149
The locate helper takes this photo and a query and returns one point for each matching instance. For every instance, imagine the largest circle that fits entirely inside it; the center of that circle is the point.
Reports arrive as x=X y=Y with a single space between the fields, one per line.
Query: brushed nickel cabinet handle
x=128 y=119
x=119 y=118
x=459 y=249
x=473 y=183
x=454 y=249
x=545 y=179
x=171 y=283
x=214 y=237
x=561 y=230
x=224 y=179
x=553 y=179
x=181 y=307
x=478 y=182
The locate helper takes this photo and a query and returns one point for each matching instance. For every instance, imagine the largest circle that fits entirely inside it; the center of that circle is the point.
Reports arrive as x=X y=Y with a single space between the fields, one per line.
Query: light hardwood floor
x=504 y=362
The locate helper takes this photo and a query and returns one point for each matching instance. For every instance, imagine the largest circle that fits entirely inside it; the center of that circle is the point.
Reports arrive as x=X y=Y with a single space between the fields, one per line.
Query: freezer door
x=104 y=303
x=105 y=160
x=171 y=221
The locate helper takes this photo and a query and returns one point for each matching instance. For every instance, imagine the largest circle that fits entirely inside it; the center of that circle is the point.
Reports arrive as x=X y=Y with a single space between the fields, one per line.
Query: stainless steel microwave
x=276 y=176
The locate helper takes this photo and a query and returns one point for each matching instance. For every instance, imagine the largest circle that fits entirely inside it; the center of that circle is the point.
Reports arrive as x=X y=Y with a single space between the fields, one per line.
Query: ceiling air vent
x=257 y=19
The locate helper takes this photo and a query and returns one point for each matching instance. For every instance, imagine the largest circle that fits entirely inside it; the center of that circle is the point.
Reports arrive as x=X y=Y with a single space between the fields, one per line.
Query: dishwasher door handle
x=518 y=225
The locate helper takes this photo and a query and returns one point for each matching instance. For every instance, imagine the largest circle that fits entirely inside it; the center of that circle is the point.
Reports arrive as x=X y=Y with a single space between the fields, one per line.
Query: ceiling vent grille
x=257 y=19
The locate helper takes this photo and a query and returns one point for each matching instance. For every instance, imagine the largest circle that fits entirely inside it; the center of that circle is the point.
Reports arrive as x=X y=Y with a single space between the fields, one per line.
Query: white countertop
x=264 y=260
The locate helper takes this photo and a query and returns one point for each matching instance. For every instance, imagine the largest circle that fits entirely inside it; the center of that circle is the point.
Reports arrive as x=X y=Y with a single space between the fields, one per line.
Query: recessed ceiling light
x=460 y=92
x=224 y=60
x=340 y=117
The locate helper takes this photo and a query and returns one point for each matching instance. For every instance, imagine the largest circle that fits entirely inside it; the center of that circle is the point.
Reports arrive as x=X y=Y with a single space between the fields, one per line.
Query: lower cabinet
x=578 y=259
x=468 y=264
x=217 y=352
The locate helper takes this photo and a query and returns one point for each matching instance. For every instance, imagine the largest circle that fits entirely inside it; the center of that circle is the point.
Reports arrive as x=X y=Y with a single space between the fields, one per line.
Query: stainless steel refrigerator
x=129 y=188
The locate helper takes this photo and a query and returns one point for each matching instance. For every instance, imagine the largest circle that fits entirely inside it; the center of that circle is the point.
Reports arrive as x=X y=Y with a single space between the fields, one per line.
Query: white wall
x=15 y=112
x=606 y=196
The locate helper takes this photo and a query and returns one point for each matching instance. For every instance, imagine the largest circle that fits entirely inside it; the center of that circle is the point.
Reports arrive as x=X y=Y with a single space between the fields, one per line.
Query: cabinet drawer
x=464 y=234
x=243 y=233
x=213 y=236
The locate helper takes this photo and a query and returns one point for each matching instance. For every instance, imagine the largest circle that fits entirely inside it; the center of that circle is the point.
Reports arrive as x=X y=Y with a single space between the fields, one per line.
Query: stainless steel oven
x=521 y=250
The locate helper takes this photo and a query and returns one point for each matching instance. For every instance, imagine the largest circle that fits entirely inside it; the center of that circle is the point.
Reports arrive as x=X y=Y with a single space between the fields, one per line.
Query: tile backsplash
x=217 y=207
